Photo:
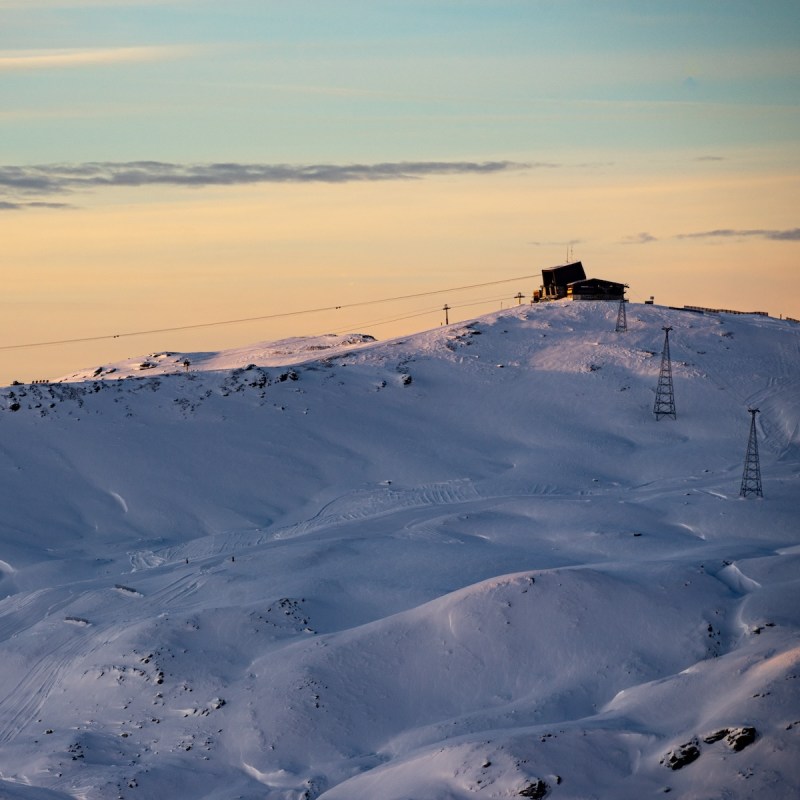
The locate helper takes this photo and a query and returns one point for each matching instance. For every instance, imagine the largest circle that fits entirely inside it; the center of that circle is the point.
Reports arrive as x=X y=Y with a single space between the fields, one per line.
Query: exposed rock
x=736 y=738
x=536 y=789
x=682 y=755
x=739 y=738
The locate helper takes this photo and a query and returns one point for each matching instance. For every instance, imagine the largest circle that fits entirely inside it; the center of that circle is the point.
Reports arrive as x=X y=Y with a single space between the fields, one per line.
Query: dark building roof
x=595 y=288
x=595 y=283
x=563 y=275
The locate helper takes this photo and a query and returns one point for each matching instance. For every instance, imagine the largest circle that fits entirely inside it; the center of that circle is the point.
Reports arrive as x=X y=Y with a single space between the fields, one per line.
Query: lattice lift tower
x=622 y=317
x=665 y=395
x=751 y=477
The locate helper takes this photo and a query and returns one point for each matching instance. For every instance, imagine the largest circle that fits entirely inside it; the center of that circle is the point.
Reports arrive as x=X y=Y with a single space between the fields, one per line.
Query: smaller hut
x=595 y=289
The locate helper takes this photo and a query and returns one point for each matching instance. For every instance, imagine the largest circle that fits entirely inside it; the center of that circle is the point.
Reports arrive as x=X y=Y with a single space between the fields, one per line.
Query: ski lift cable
x=262 y=317
x=357 y=327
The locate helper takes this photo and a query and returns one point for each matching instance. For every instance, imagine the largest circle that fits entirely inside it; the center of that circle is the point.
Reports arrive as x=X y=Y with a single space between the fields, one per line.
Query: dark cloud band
x=53 y=179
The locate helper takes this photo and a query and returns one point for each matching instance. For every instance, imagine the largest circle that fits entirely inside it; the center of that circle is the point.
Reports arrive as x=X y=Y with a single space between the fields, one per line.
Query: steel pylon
x=665 y=394
x=751 y=477
x=622 y=319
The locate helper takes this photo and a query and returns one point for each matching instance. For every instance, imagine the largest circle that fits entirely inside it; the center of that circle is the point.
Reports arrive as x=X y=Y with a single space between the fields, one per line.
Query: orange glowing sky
x=173 y=164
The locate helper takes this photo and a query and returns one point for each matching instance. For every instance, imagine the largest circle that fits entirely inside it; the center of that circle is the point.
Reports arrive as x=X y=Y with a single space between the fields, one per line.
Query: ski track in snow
x=358 y=506
x=23 y=702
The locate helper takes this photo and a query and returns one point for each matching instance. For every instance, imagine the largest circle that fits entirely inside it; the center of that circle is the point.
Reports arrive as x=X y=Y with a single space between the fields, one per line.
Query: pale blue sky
x=369 y=80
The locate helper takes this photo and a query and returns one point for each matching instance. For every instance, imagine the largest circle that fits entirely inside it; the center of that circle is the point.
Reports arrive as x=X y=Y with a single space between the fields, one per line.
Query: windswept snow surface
x=466 y=564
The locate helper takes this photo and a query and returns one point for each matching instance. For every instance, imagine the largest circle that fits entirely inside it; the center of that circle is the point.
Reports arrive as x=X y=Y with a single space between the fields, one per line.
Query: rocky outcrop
x=535 y=789
x=682 y=755
x=736 y=739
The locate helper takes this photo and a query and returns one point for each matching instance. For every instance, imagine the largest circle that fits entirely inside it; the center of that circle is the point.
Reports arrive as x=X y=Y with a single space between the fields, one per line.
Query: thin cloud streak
x=52 y=179
x=563 y=243
x=639 y=238
x=29 y=4
x=7 y=205
x=790 y=235
x=22 y=60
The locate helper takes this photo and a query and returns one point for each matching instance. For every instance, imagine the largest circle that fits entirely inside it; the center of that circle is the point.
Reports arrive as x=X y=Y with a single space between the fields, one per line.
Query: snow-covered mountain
x=466 y=564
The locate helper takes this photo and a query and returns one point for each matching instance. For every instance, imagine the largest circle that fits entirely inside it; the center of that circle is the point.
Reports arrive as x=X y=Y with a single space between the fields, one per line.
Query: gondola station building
x=570 y=281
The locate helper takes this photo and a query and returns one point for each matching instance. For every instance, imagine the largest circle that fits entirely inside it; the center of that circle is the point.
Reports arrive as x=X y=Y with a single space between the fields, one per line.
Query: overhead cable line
x=430 y=310
x=262 y=317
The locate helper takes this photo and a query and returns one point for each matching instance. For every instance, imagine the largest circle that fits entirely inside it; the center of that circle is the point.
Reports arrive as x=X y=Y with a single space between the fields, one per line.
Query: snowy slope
x=465 y=564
